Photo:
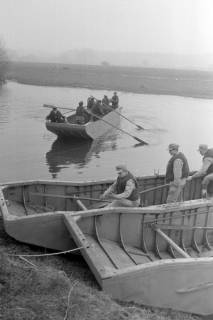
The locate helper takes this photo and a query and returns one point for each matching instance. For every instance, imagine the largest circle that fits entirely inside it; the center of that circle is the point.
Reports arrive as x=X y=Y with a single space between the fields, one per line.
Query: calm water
x=29 y=151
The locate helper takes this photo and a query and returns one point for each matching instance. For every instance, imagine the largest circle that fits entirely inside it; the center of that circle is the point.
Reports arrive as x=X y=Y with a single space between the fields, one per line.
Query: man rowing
x=55 y=116
x=124 y=191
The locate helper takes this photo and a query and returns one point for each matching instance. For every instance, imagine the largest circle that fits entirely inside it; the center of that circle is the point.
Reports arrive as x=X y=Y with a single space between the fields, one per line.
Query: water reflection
x=4 y=108
x=63 y=153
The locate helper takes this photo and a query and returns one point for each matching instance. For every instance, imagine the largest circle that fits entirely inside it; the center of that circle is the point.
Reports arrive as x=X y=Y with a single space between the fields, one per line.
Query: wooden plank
x=81 y=205
x=181 y=227
x=172 y=243
x=90 y=254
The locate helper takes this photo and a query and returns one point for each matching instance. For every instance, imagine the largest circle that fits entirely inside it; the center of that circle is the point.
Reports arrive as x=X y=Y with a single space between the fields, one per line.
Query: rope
x=46 y=254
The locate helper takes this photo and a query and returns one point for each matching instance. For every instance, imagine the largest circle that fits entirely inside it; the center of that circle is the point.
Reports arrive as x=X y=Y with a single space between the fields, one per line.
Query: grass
x=60 y=288
x=129 y=79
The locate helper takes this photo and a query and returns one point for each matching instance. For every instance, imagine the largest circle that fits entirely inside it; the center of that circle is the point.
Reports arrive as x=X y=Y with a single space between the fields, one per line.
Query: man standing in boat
x=206 y=170
x=55 y=116
x=177 y=172
x=115 y=100
x=124 y=191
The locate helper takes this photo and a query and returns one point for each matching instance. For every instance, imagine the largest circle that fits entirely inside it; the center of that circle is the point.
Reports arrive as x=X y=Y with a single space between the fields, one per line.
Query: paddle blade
x=139 y=127
x=142 y=142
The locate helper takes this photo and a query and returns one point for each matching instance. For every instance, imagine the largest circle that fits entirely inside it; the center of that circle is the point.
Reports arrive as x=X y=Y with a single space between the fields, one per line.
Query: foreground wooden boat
x=90 y=130
x=158 y=255
x=33 y=211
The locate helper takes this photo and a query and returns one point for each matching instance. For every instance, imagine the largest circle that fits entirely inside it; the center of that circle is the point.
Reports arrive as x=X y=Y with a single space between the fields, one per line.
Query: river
x=29 y=151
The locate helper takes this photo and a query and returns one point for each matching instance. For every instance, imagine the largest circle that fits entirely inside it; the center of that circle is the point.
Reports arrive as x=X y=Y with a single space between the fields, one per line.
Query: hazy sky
x=54 y=26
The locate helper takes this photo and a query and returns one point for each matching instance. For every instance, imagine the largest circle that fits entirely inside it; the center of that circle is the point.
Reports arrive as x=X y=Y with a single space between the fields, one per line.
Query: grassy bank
x=59 y=288
x=128 y=79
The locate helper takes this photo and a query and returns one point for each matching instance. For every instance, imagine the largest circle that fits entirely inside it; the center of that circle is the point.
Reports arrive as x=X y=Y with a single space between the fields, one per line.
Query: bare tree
x=4 y=63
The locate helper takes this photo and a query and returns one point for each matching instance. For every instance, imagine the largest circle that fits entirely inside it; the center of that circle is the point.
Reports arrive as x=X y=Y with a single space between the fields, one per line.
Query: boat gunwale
x=72 y=183
x=149 y=210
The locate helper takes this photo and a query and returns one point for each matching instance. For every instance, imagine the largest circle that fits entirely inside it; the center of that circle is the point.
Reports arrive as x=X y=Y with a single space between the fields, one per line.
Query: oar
x=86 y=198
x=51 y=106
x=111 y=108
x=155 y=188
x=139 y=140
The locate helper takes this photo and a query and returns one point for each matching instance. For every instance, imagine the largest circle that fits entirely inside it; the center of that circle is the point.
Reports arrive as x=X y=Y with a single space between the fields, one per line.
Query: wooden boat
x=158 y=255
x=90 y=130
x=33 y=210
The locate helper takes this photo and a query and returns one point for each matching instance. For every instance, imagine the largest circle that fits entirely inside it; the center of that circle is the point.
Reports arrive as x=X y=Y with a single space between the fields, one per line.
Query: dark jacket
x=170 y=167
x=80 y=111
x=55 y=116
x=121 y=185
x=115 y=101
x=209 y=154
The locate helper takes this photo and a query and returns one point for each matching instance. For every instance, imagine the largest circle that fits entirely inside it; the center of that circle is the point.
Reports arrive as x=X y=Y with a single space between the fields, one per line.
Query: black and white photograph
x=106 y=162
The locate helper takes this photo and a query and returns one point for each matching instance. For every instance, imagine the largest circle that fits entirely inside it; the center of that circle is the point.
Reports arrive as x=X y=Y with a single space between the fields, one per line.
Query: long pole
x=136 y=138
x=51 y=106
x=110 y=107
x=155 y=188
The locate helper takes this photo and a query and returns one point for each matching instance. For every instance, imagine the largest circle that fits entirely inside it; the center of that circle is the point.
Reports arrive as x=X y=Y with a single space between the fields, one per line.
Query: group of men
x=94 y=109
x=124 y=191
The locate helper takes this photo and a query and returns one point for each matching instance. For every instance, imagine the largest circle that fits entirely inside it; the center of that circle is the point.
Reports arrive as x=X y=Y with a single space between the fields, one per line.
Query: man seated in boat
x=55 y=116
x=106 y=106
x=90 y=102
x=105 y=100
x=177 y=172
x=97 y=109
x=82 y=115
x=124 y=191
x=115 y=100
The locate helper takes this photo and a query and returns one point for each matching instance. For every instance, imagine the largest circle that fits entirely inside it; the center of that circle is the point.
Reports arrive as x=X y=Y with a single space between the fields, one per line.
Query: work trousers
x=175 y=193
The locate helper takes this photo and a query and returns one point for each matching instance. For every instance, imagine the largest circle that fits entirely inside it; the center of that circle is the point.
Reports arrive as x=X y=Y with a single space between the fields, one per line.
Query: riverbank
x=188 y=83
x=59 y=288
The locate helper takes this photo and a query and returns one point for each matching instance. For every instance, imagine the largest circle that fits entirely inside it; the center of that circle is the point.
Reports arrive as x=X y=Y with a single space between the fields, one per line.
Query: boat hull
x=183 y=285
x=44 y=228
x=133 y=263
x=91 y=130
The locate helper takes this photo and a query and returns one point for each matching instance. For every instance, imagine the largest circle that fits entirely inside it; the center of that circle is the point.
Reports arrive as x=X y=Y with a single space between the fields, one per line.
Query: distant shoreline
x=185 y=83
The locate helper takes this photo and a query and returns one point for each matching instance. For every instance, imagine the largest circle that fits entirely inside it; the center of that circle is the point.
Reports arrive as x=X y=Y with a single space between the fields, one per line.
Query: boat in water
x=90 y=130
x=157 y=255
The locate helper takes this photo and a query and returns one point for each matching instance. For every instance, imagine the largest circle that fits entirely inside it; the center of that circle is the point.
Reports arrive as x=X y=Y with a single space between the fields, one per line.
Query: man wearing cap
x=97 y=109
x=176 y=173
x=206 y=170
x=55 y=116
x=124 y=191
x=90 y=102
x=115 y=100
x=81 y=114
x=105 y=100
